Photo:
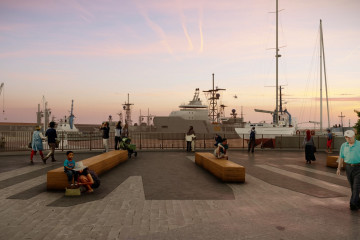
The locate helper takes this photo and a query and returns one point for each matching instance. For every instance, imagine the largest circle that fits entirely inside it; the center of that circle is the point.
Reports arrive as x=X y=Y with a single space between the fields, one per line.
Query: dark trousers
x=117 y=141
x=353 y=176
x=188 y=146
x=251 y=145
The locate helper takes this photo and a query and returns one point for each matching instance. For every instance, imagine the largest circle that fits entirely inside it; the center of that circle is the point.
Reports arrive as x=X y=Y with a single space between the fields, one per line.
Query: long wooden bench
x=224 y=169
x=57 y=179
x=331 y=162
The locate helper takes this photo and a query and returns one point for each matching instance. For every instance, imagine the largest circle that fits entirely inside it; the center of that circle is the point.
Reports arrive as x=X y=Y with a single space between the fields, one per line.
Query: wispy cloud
x=200 y=30
x=156 y=28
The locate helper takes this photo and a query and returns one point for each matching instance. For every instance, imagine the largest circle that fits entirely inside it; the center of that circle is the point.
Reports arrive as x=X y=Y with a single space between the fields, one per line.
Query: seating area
x=223 y=169
x=331 y=161
x=57 y=179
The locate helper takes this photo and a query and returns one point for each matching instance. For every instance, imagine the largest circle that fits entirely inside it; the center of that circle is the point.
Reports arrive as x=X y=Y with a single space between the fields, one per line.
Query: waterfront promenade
x=165 y=195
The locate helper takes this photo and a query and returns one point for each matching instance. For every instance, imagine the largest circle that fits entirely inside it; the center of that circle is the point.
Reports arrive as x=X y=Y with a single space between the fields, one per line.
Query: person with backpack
x=86 y=177
x=252 y=140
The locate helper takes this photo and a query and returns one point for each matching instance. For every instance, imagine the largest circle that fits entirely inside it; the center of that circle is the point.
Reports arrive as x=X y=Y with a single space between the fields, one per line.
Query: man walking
x=51 y=135
x=350 y=153
x=252 y=140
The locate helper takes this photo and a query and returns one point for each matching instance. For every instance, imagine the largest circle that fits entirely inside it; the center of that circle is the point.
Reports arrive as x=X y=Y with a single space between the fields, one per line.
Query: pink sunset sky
x=96 y=52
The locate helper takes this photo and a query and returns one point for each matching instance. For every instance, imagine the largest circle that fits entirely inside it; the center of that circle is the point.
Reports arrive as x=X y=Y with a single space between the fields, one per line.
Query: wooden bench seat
x=331 y=162
x=57 y=179
x=223 y=169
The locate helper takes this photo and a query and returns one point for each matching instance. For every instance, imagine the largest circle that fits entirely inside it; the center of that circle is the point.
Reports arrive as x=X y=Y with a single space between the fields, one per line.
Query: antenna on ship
x=71 y=117
x=212 y=96
x=341 y=119
x=126 y=107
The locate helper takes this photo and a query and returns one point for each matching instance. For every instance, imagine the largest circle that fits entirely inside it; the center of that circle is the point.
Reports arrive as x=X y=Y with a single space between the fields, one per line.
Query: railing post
x=90 y=138
x=204 y=142
x=62 y=141
x=162 y=140
x=140 y=141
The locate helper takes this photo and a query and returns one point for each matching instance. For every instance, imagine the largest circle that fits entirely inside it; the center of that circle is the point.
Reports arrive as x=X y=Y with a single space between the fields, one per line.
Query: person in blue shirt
x=69 y=165
x=350 y=154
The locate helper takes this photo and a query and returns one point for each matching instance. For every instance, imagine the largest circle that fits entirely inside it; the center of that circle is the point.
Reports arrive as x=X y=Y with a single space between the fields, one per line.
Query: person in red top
x=329 y=141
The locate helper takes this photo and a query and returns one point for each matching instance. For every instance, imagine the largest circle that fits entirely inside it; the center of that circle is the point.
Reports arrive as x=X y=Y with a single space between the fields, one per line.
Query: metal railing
x=19 y=141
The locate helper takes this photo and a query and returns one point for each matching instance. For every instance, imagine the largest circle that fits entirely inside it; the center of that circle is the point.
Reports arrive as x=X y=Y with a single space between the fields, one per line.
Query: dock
x=165 y=195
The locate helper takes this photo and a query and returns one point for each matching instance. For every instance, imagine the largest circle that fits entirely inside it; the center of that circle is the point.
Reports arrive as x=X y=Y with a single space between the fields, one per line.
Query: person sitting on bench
x=221 y=149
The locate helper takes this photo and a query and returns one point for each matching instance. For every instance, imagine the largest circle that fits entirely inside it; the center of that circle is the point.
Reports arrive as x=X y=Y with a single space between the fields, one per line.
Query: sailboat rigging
x=282 y=123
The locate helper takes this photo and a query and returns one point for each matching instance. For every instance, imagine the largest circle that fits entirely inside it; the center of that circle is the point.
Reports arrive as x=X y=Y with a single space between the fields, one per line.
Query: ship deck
x=165 y=195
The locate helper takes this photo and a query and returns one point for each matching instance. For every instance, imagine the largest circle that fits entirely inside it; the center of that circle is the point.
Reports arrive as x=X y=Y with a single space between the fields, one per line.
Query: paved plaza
x=165 y=195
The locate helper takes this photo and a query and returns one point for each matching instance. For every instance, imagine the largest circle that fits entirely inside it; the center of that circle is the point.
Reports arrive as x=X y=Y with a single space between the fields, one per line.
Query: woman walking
x=309 y=147
x=37 y=145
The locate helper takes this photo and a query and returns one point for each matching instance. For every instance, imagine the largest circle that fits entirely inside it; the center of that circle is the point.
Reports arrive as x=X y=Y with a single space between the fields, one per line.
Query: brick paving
x=164 y=195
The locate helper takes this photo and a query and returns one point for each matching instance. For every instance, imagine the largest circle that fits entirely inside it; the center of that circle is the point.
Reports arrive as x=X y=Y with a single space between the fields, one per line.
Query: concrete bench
x=331 y=162
x=224 y=169
x=57 y=179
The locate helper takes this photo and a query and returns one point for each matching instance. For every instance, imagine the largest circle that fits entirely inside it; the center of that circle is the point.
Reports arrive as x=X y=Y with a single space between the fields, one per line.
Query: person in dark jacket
x=105 y=130
x=118 y=129
x=51 y=136
x=251 y=143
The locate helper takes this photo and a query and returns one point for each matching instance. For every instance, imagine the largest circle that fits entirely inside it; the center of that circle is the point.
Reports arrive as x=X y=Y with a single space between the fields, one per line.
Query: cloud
x=156 y=28
x=200 y=30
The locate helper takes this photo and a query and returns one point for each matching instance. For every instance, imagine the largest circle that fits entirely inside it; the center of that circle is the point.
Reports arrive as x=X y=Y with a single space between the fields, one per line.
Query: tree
x=357 y=125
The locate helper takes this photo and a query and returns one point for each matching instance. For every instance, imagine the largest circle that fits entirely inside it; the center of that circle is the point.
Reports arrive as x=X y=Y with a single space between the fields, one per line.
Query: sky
x=159 y=51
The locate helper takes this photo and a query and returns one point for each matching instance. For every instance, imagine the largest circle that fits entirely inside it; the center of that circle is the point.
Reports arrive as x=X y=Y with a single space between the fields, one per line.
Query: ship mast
x=214 y=96
x=277 y=68
x=126 y=107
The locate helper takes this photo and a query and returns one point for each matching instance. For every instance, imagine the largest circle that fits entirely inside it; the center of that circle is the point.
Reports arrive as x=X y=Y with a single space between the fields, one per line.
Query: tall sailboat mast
x=322 y=62
x=277 y=68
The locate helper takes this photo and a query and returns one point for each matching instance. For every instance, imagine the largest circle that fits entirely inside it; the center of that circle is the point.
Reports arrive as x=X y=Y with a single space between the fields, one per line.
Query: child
x=221 y=149
x=69 y=165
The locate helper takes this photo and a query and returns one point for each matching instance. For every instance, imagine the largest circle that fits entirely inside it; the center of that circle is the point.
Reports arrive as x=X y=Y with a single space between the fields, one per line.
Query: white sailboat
x=282 y=123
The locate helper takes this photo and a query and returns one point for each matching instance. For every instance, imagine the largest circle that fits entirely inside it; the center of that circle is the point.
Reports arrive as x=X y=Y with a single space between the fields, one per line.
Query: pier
x=165 y=195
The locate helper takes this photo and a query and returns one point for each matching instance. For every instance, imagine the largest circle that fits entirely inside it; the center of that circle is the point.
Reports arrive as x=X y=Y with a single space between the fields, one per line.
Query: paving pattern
x=164 y=195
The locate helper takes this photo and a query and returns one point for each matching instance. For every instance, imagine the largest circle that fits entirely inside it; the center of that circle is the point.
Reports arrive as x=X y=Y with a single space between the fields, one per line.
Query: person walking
x=51 y=136
x=350 y=154
x=189 y=137
x=309 y=147
x=36 y=144
x=252 y=138
x=117 y=135
x=329 y=141
x=105 y=135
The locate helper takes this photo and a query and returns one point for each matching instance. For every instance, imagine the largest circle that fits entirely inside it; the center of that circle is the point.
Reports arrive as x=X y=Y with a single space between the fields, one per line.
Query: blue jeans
x=70 y=174
x=353 y=176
